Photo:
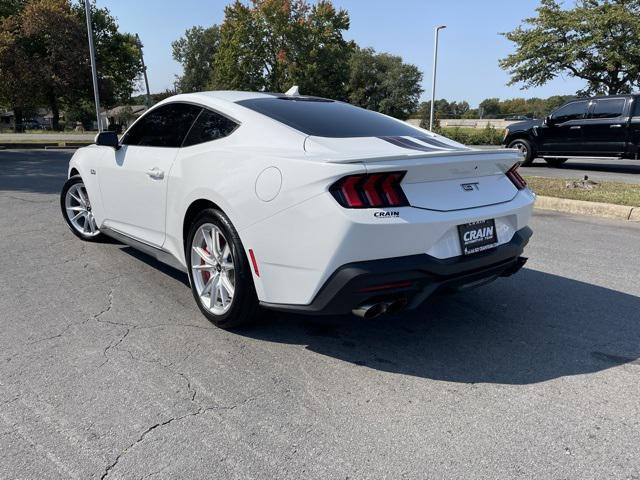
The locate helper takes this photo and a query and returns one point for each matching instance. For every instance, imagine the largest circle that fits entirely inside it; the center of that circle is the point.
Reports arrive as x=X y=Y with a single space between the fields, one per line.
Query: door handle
x=575 y=127
x=615 y=126
x=155 y=173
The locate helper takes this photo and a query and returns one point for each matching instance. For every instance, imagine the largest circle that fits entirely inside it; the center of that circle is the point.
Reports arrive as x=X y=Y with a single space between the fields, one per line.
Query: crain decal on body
x=392 y=214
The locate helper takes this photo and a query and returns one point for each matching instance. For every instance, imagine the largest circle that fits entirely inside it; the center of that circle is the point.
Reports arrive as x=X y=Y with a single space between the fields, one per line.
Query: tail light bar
x=513 y=175
x=376 y=190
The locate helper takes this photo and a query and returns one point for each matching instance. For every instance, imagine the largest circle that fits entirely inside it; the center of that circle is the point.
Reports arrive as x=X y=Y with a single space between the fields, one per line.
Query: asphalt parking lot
x=108 y=370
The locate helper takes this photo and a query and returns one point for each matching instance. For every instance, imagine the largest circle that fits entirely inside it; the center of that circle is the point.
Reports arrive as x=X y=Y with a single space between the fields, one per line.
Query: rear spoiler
x=493 y=153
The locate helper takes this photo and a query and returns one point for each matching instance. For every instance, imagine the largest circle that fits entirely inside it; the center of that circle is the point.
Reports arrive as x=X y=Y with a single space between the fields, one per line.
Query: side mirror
x=108 y=139
x=548 y=120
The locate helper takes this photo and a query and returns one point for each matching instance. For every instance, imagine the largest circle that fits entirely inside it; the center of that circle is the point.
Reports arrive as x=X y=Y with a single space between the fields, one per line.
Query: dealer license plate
x=477 y=236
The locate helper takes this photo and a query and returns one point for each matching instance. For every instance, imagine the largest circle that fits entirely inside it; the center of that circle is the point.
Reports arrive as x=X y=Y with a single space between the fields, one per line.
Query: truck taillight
x=377 y=190
x=513 y=175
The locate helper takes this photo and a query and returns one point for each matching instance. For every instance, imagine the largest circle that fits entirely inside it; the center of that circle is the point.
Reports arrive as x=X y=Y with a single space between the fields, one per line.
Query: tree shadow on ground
x=34 y=171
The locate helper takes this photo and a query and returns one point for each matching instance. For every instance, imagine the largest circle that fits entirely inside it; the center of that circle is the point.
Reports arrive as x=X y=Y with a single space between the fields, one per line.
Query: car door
x=133 y=179
x=605 y=130
x=562 y=131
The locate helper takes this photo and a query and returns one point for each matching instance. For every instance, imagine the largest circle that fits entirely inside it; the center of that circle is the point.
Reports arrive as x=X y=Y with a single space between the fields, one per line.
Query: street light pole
x=144 y=71
x=433 y=81
x=92 y=55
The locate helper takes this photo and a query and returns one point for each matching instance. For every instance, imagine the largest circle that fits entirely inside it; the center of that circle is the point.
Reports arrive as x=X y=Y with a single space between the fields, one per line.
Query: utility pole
x=433 y=81
x=94 y=70
x=144 y=71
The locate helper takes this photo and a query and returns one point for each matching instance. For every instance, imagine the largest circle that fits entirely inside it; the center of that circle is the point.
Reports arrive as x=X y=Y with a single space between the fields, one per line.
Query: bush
x=473 y=136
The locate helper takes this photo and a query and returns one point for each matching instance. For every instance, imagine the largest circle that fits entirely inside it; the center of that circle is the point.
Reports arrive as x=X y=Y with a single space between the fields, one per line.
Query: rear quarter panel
x=226 y=172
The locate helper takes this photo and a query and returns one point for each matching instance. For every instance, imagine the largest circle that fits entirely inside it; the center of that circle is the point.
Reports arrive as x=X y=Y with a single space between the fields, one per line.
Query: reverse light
x=377 y=190
x=513 y=175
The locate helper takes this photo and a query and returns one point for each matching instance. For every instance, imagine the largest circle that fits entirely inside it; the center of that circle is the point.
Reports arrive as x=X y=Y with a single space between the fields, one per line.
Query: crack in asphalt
x=81 y=322
x=201 y=410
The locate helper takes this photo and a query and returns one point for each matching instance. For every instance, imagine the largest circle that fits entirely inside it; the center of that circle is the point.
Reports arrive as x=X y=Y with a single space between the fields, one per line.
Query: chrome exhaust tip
x=397 y=306
x=370 y=310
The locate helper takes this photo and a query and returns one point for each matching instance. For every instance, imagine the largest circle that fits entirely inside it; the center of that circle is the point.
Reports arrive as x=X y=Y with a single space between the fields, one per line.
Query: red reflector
x=254 y=262
x=350 y=193
x=386 y=286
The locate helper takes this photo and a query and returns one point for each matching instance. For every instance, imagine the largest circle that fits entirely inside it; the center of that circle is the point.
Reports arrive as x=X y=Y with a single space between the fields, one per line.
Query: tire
x=235 y=302
x=555 y=162
x=525 y=148
x=76 y=210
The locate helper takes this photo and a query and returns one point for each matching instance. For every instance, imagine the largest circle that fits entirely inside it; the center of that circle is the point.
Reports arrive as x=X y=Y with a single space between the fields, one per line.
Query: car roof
x=234 y=96
x=231 y=96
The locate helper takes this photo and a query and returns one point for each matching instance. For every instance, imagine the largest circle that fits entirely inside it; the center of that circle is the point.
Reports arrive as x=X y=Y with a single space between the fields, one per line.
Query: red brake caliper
x=206 y=275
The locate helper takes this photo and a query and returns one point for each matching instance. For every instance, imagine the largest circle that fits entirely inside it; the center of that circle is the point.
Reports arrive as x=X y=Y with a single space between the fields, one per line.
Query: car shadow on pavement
x=526 y=329
x=35 y=171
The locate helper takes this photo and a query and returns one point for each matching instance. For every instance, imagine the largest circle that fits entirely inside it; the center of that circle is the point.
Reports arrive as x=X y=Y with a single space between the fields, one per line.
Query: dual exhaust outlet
x=372 y=310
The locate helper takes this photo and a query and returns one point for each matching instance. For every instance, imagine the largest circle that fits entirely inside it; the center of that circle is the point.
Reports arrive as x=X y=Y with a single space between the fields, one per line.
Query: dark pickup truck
x=585 y=127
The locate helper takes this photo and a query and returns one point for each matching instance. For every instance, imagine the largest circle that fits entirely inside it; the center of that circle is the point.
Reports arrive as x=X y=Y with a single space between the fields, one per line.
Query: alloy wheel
x=213 y=269
x=78 y=208
x=522 y=147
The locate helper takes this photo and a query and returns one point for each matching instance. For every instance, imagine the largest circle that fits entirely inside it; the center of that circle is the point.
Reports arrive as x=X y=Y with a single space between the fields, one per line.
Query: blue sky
x=469 y=48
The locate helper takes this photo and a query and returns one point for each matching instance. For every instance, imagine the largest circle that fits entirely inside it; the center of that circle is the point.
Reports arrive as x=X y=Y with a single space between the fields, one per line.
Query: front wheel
x=76 y=210
x=220 y=275
x=555 y=162
x=525 y=148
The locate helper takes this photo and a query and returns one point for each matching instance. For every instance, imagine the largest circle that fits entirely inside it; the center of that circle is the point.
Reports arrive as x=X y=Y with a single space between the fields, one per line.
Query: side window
x=164 y=126
x=209 y=126
x=571 y=111
x=608 y=108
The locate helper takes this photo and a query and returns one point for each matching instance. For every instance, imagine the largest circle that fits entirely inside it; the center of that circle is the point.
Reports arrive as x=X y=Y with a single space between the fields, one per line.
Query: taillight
x=370 y=191
x=513 y=175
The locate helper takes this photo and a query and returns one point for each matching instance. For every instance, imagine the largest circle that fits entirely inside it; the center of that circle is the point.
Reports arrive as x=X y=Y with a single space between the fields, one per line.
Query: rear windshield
x=327 y=118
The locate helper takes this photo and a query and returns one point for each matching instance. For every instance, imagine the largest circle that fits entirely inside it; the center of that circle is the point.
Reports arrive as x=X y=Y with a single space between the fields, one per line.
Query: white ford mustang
x=299 y=203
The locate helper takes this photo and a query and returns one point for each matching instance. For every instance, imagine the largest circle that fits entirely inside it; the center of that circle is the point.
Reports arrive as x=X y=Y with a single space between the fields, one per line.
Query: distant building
x=41 y=118
x=124 y=115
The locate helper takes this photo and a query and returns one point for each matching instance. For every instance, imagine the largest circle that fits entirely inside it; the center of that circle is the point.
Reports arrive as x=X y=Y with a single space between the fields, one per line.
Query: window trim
x=187 y=102
x=584 y=116
x=594 y=101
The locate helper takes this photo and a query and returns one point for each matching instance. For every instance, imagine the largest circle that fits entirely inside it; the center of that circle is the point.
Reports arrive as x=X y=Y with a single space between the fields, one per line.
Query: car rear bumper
x=412 y=278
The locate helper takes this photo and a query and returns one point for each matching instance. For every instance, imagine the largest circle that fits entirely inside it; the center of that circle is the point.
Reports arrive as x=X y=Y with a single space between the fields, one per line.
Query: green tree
x=196 y=51
x=597 y=41
x=490 y=107
x=18 y=80
x=44 y=58
x=117 y=57
x=271 y=45
x=11 y=7
x=47 y=41
x=382 y=82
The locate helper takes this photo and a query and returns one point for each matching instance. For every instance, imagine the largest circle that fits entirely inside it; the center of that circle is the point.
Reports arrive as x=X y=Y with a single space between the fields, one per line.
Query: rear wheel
x=525 y=148
x=555 y=162
x=220 y=276
x=76 y=210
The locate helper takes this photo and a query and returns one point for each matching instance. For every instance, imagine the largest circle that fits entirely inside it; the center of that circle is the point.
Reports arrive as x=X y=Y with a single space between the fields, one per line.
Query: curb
x=594 y=209
x=45 y=145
